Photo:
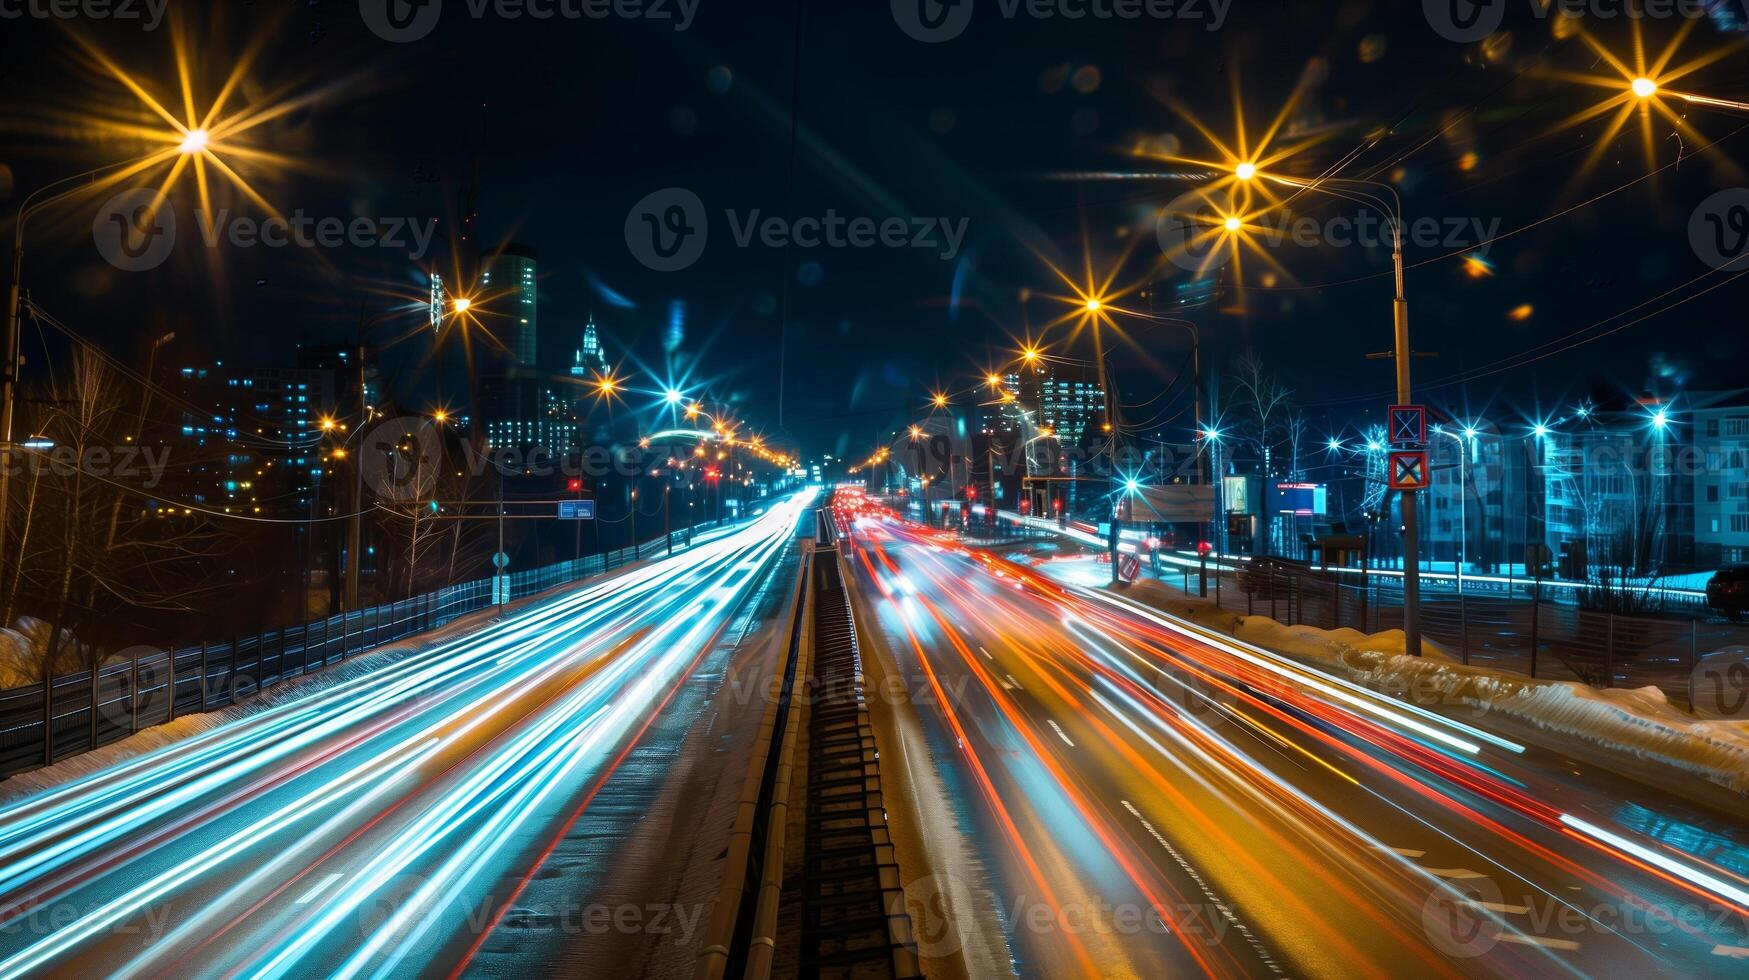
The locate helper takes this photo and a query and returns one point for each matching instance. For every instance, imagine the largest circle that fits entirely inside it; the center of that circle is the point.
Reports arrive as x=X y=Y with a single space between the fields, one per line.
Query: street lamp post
x=1401 y=353
x=9 y=370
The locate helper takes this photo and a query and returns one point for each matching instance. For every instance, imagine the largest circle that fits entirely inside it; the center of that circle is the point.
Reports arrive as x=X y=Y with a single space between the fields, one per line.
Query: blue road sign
x=576 y=510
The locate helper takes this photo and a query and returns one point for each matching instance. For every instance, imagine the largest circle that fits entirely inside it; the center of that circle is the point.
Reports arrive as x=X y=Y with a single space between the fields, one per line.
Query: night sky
x=568 y=123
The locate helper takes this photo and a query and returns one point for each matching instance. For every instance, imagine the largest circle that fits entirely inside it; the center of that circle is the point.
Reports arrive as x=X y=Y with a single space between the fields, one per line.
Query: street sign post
x=1408 y=470
x=1407 y=425
x=576 y=510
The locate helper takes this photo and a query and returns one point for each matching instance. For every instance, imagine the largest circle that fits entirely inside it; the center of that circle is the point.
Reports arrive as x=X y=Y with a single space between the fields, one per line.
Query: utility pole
x=1411 y=529
x=353 y=532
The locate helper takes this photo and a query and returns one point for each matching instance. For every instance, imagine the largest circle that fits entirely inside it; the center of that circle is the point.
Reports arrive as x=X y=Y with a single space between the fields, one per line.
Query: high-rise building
x=508 y=286
x=591 y=358
x=258 y=432
x=1720 y=432
x=1071 y=403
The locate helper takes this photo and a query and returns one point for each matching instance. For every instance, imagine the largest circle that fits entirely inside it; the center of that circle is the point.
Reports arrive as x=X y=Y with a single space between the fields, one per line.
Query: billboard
x=1300 y=499
x=1236 y=494
x=1174 y=502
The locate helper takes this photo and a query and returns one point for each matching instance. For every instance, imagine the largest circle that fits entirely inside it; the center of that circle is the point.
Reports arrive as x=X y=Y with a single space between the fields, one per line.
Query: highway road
x=399 y=824
x=1087 y=787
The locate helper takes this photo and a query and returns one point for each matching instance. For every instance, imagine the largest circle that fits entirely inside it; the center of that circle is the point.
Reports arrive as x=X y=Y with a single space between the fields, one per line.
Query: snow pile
x=147 y=740
x=1638 y=722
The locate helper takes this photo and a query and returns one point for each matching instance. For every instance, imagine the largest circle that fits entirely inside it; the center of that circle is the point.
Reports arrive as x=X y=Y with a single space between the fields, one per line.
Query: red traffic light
x=971 y=492
x=575 y=486
x=1058 y=504
x=1203 y=548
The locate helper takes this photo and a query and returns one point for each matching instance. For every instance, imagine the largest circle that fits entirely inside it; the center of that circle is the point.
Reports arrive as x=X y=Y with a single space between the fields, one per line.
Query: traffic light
x=575 y=485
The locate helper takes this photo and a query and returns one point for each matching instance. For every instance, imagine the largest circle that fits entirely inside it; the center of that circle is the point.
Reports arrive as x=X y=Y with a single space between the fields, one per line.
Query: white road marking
x=1010 y=683
x=986 y=653
x=1543 y=941
x=1059 y=730
x=1735 y=952
x=1408 y=852
x=1495 y=906
x=319 y=887
x=1462 y=874
x=1225 y=909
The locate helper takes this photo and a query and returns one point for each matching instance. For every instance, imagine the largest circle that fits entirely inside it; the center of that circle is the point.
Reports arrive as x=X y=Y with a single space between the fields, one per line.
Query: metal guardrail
x=1540 y=638
x=116 y=699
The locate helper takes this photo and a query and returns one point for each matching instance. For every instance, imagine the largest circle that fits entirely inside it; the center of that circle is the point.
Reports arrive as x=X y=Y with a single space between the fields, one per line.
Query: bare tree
x=1260 y=407
x=1260 y=404
x=93 y=552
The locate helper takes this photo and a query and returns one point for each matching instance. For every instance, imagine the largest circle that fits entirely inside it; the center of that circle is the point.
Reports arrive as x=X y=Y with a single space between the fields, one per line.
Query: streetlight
x=1365 y=192
x=9 y=369
x=1643 y=87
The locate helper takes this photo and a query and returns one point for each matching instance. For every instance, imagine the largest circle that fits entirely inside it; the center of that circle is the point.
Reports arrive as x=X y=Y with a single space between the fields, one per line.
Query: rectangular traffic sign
x=1408 y=470
x=1407 y=425
x=576 y=510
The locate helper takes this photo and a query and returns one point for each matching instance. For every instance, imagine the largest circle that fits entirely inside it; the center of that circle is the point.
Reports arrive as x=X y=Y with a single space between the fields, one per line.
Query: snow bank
x=158 y=736
x=1640 y=722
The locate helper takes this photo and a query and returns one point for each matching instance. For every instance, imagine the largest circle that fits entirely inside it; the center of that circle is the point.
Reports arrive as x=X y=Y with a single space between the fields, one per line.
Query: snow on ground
x=18 y=787
x=1639 y=723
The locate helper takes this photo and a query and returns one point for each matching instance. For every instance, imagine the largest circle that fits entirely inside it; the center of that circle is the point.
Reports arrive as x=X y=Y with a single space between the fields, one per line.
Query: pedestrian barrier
x=156 y=685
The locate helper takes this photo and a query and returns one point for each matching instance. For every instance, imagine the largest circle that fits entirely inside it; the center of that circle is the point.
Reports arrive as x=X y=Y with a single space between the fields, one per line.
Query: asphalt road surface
x=396 y=824
x=1098 y=789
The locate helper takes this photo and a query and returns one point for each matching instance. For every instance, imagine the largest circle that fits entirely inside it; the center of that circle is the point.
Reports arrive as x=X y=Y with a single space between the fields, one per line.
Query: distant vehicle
x=1728 y=591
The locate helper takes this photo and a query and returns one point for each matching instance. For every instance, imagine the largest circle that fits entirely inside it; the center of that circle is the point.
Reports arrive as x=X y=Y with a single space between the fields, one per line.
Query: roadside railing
x=1526 y=635
x=145 y=686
